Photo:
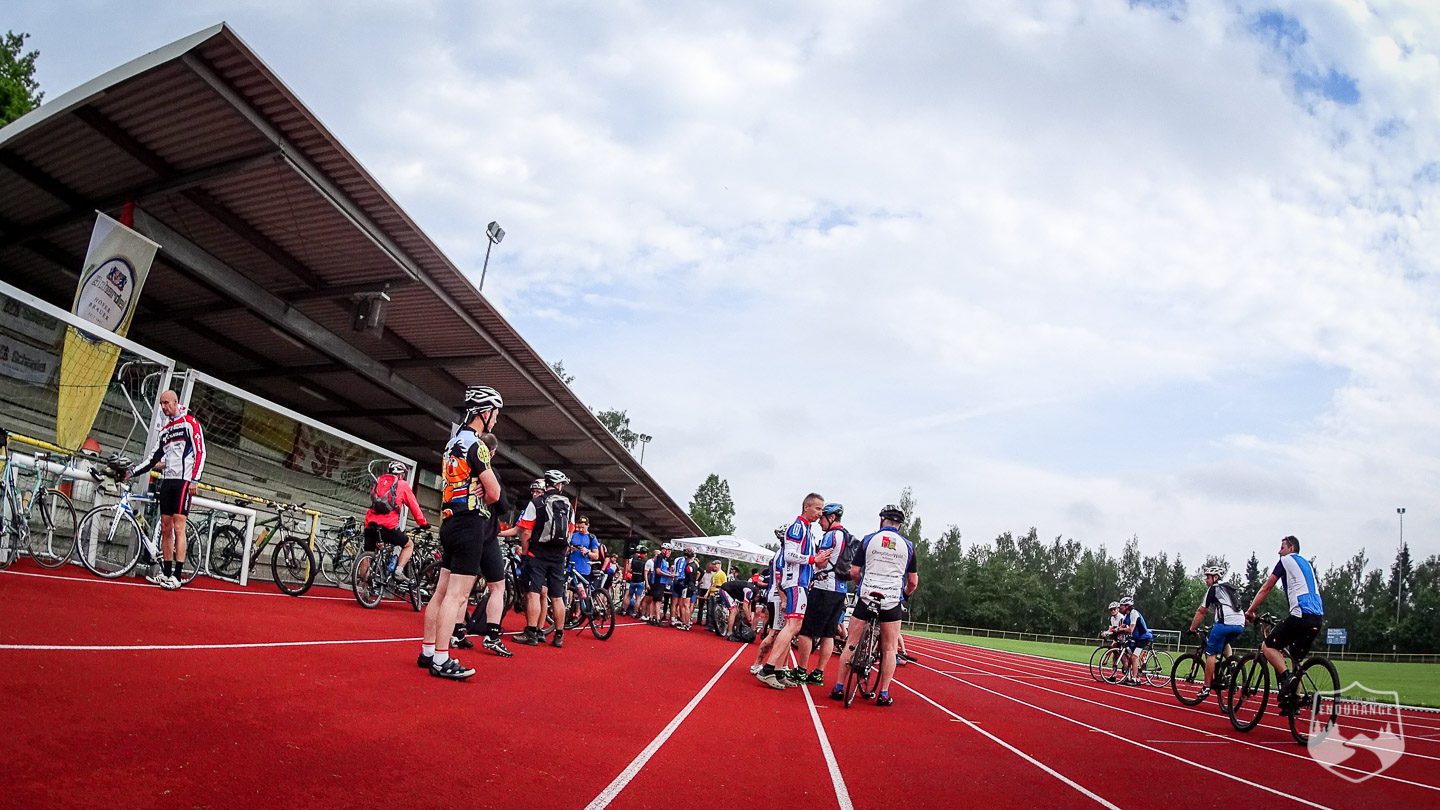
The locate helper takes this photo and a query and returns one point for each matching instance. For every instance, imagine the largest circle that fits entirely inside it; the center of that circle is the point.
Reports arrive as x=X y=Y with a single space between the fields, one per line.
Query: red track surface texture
x=104 y=706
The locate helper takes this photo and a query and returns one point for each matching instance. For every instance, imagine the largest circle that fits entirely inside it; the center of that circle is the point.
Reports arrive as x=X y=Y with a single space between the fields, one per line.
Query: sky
x=1105 y=269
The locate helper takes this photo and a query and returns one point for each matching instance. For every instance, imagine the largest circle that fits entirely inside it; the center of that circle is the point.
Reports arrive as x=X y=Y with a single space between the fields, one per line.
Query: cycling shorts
x=548 y=572
x=865 y=614
x=726 y=600
x=1139 y=643
x=1295 y=631
x=822 y=615
x=462 y=544
x=1220 y=635
x=174 y=496
x=637 y=588
x=375 y=533
x=795 y=600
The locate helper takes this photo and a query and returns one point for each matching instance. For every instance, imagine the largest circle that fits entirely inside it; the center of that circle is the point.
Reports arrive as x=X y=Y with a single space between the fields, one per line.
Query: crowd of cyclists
x=1294 y=634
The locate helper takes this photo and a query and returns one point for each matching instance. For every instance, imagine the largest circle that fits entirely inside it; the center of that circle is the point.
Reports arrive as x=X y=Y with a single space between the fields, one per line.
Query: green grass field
x=1418 y=684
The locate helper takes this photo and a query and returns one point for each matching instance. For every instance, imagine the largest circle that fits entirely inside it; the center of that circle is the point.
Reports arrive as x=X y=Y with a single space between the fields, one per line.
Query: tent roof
x=728 y=546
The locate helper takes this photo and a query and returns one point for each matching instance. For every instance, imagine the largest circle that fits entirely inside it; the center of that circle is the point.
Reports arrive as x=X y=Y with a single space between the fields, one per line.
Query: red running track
x=332 y=709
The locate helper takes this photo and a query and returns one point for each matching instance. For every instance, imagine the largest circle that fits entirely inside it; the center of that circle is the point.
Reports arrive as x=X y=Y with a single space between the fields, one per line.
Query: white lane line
x=1007 y=746
x=131 y=647
x=949 y=658
x=187 y=588
x=618 y=784
x=1124 y=739
x=842 y=793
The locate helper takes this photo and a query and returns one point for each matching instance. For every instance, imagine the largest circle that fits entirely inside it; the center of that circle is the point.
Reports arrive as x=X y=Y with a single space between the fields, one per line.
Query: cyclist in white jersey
x=771 y=608
x=799 y=559
x=1229 y=621
x=884 y=564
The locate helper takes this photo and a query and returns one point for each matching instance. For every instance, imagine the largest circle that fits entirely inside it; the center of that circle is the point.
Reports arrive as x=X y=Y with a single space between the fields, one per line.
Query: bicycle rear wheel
x=602 y=623
x=1317 y=705
x=424 y=584
x=227 y=552
x=108 y=542
x=1247 y=696
x=293 y=566
x=1095 y=662
x=1156 y=669
x=368 y=579
x=11 y=530
x=1187 y=678
x=52 y=529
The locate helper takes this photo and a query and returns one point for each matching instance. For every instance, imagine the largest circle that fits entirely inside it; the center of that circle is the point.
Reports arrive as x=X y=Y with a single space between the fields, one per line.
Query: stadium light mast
x=644 y=439
x=494 y=235
x=1399 y=579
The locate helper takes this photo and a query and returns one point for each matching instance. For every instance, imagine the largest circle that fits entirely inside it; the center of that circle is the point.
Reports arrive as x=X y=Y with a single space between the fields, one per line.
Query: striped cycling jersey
x=1298 y=579
x=180 y=443
x=798 y=552
x=466 y=458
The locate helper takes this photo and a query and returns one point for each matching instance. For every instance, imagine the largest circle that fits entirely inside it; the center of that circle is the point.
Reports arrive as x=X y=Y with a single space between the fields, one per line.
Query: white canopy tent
x=728 y=546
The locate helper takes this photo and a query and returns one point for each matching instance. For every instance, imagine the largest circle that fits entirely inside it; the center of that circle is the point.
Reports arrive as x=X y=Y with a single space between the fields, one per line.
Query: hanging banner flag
x=115 y=269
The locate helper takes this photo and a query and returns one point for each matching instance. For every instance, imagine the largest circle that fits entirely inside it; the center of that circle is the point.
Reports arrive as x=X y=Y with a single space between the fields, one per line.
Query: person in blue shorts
x=1140 y=637
x=1229 y=621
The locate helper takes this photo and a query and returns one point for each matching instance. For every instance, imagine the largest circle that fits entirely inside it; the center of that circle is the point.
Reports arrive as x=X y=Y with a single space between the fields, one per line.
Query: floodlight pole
x=1399 y=580
x=493 y=234
x=644 y=440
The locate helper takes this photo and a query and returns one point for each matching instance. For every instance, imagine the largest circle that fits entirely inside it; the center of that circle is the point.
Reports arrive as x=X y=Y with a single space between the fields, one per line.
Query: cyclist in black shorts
x=468 y=536
x=545 y=529
x=179 y=456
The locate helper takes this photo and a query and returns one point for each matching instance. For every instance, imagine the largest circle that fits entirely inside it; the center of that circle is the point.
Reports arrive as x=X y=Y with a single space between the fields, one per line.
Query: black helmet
x=892 y=512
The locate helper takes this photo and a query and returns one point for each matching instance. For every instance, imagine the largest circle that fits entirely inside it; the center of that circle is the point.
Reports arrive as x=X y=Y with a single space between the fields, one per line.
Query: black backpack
x=841 y=564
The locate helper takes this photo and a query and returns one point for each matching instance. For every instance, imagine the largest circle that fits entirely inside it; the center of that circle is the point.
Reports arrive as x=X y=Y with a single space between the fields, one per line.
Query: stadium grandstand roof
x=270 y=231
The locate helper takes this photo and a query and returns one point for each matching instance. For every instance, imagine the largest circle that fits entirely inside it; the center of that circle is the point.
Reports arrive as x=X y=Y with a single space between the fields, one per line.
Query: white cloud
x=851 y=247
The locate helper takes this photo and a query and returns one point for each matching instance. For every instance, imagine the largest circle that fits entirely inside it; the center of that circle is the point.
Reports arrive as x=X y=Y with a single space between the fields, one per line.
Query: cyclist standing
x=1307 y=613
x=885 y=564
x=390 y=494
x=635 y=576
x=1229 y=621
x=545 y=530
x=583 y=548
x=1133 y=624
x=799 y=560
x=827 y=594
x=467 y=534
x=180 y=457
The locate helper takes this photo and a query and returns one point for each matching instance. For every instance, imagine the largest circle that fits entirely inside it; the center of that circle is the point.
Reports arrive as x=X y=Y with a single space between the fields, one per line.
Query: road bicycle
x=863 y=674
x=1155 y=666
x=292 y=565
x=203 y=529
x=112 y=539
x=594 y=609
x=374 y=577
x=1310 y=700
x=1110 y=639
x=39 y=519
x=1187 y=676
x=336 y=549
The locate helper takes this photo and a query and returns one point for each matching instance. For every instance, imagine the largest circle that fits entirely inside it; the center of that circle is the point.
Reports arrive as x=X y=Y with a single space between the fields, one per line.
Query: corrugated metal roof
x=221 y=155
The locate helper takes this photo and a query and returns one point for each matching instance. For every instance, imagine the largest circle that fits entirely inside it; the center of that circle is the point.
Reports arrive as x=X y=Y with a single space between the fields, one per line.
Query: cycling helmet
x=1113 y=605
x=781 y=530
x=1213 y=571
x=481 y=399
x=397 y=468
x=553 y=477
x=1127 y=600
x=836 y=510
x=538 y=483
x=892 y=512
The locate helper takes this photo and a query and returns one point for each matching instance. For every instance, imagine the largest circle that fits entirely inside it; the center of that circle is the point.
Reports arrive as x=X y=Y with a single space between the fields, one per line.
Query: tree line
x=1063 y=587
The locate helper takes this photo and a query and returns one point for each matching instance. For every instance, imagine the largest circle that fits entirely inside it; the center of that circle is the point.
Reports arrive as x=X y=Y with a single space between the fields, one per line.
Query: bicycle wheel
x=227 y=552
x=1317 y=688
x=108 y=542
x=718 y=617
x=11 y=529
x=424 y=584
x=602 y=622
x=1111 y=665
x=871 y=681
x=293 y=566
x=1187 y=678
x=1248 y=695
x=368 y=579
x=52 y=529
x=1156 y=669
x=1095 y=662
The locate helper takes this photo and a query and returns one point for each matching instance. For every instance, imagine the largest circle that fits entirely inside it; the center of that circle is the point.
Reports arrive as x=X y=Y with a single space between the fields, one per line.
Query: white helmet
x=781 y=530
x=538 y=483
x=1213 y=571
x=397 y=468
x=1127 y=600
x=479 y=399
x=1113 y=605
x=553 y=477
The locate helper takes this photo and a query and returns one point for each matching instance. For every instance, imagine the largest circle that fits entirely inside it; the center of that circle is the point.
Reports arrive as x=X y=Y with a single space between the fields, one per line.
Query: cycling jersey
x=466 y=459
x=180 y=443
x=772 y=582
x=886 y=559
x=650 y=571
x=638 y=566
x=825 y=578
x=404 y=496
x=1298 y=580
x=580 y=544
x=1139 y=631
x=538 y=514
x=738 y=590
x=662 y=570
x=1117 y=619
x=1220 y=601
x=798 y=555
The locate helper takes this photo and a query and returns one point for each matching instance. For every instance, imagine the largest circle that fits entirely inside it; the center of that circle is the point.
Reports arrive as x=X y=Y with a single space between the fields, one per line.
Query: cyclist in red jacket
x=382 y=521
